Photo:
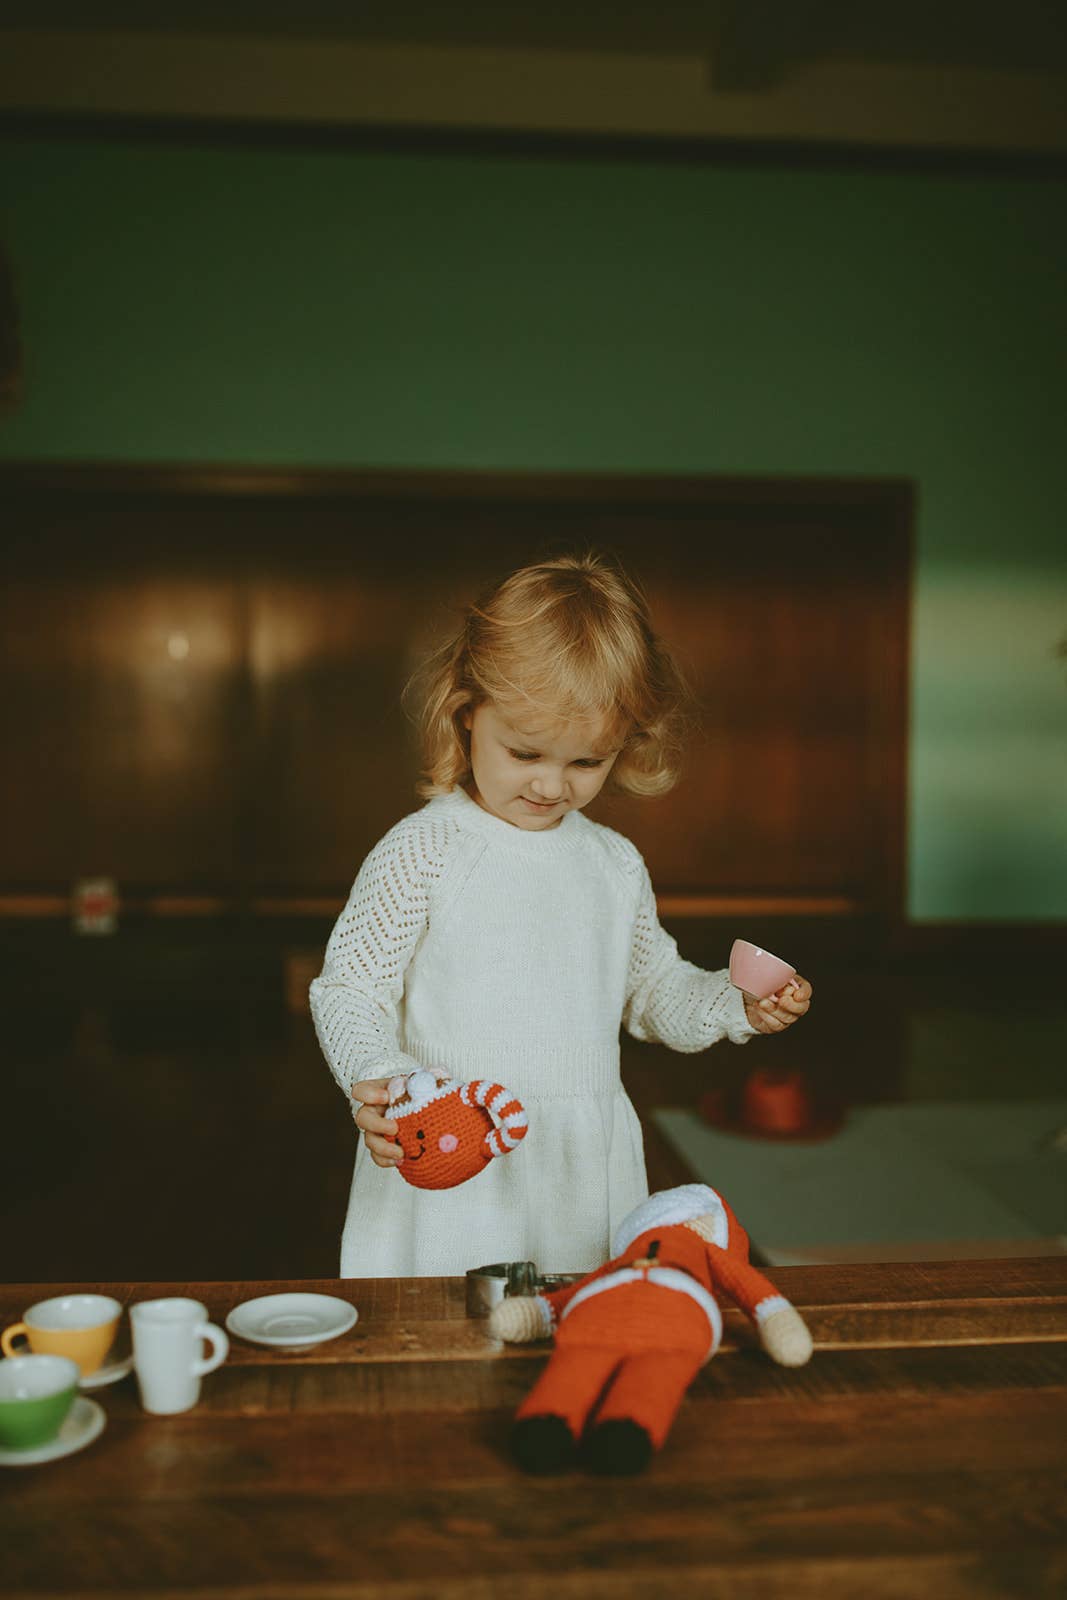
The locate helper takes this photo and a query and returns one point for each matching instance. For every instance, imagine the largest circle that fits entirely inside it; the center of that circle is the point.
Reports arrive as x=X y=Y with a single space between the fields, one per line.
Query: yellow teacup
x=79 y=1326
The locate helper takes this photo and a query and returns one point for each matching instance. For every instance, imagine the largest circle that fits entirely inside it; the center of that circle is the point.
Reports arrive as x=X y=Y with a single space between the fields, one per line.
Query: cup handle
x=220 y=1349
x=8 y=1337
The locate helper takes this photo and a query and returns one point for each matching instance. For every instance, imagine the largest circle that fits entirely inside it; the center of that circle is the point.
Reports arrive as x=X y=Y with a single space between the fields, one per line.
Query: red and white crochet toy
x=445 y=1129
x=632 y=1336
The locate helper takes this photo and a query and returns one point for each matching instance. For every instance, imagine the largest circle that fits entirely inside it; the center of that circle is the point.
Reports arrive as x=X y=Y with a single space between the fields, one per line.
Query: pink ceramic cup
x=756 y=971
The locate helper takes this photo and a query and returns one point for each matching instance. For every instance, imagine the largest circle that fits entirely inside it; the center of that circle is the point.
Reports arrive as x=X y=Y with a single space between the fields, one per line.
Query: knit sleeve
x=670 y=1001
x=355 y=1001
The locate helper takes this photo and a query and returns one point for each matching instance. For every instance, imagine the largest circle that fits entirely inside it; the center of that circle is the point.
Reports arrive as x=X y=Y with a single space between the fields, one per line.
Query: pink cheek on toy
x=447 y=1143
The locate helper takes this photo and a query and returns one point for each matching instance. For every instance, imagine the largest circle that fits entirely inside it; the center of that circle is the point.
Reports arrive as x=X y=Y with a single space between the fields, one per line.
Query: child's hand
x=779 y=1010
x=376 y=1129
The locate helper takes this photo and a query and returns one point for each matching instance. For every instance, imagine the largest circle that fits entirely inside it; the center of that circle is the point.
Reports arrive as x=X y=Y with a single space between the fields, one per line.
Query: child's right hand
x=378 y=1131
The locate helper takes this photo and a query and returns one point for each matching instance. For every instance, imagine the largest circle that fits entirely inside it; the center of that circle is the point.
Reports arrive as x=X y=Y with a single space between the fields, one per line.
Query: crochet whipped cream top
x=497 y=952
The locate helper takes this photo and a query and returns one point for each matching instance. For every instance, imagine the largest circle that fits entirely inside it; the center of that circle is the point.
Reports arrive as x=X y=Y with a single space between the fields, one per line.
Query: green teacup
x=36 y=1392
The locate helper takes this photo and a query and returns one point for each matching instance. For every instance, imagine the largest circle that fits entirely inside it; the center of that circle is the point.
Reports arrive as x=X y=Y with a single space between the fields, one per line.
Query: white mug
x=166 y=1352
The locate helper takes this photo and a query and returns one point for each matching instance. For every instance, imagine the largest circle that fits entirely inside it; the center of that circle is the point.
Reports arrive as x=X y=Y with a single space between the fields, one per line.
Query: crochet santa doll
x=632 y=1336
x=445 y=1128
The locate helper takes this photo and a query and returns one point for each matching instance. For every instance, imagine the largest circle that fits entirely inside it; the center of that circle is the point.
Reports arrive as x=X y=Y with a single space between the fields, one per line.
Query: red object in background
x=774 y=1104
x=95 y=905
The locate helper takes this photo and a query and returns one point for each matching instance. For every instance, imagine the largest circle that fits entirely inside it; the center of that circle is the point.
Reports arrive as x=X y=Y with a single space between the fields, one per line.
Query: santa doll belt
x=663 y=1278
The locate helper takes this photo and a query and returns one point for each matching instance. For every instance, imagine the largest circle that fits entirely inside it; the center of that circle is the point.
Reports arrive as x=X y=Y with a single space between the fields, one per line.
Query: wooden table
x=922 y=1453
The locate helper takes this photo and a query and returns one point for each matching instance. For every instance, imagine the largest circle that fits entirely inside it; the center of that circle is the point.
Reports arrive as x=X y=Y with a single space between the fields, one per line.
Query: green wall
x=337 y=307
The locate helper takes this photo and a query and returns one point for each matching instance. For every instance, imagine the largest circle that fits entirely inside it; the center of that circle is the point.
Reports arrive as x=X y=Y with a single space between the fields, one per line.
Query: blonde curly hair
x=569 y=638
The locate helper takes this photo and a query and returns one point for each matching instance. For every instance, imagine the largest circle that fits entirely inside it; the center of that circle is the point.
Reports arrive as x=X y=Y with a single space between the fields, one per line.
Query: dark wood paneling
x=206 y=671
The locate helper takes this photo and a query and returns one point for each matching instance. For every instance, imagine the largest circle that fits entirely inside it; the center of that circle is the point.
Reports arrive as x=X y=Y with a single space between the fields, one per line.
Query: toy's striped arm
x=508 y=1110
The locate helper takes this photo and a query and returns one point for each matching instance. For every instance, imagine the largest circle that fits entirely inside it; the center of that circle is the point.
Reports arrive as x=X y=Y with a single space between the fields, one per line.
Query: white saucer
x=84 y=1422
x=110 y=1372
x=291 y=1321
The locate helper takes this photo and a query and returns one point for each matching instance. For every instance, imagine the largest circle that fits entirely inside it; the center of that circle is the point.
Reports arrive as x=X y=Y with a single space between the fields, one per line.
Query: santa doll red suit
x=632 y=1336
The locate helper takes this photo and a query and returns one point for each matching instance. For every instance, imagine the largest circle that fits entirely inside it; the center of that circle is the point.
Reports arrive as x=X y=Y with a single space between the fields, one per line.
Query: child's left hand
x=779 y=1010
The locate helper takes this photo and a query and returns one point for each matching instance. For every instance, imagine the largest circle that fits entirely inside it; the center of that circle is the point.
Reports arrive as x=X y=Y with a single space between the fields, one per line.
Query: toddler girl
x=498 y=933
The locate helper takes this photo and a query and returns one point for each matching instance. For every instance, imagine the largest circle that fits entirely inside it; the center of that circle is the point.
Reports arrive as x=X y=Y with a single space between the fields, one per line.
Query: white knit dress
x=496 y=952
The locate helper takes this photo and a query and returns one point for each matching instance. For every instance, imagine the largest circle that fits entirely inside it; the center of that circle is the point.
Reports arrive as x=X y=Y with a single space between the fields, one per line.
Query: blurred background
x=307 y=329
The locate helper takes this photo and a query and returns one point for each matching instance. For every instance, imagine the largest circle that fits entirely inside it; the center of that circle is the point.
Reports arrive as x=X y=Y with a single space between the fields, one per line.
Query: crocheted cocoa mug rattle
x=445 y=1128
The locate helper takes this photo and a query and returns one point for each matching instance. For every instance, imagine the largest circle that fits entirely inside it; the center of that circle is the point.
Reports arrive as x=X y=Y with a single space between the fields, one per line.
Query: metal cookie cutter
x=487 y=1286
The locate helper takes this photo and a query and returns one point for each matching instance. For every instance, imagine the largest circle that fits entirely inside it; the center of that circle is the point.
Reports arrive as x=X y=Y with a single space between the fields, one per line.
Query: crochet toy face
x=445 y=1129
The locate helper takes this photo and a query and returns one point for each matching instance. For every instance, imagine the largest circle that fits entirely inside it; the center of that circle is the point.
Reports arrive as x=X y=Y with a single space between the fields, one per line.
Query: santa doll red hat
x=632 y=1336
